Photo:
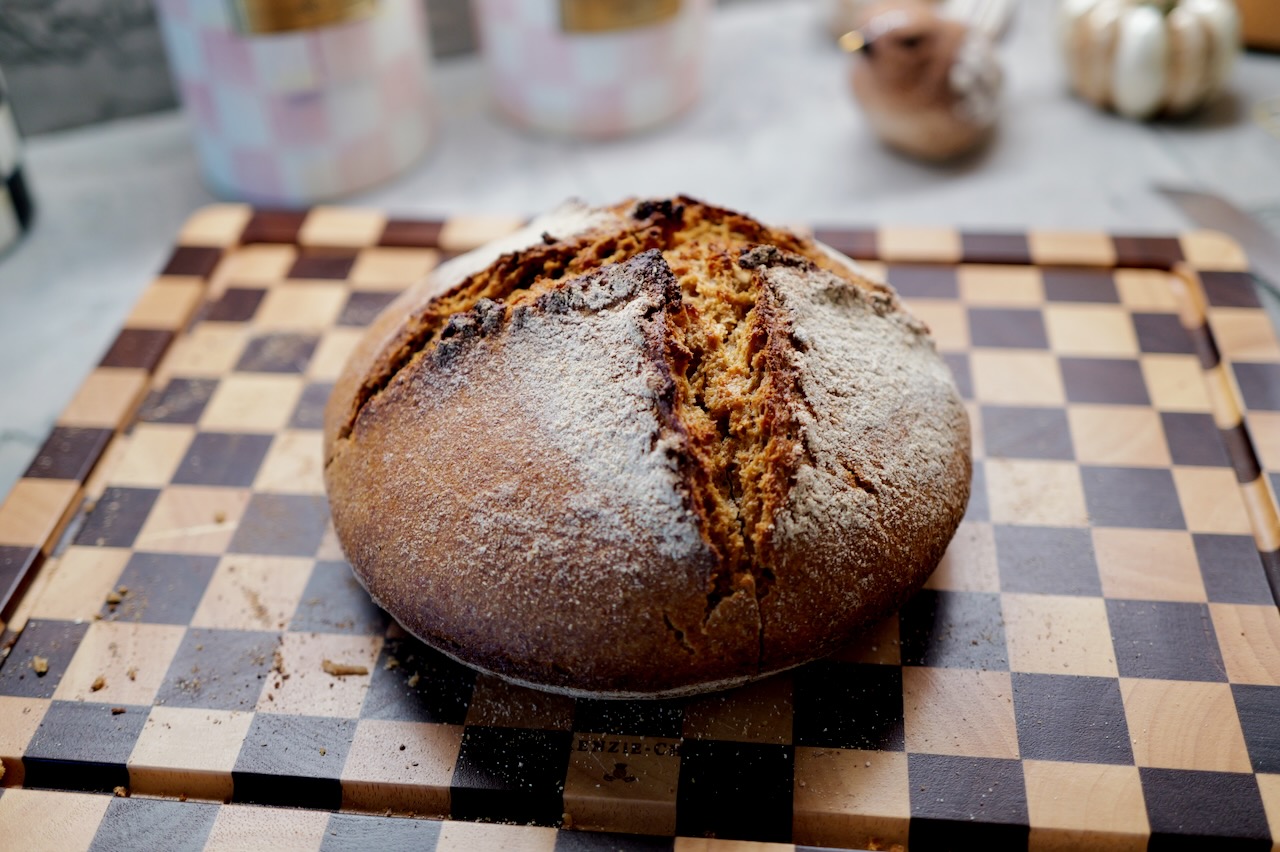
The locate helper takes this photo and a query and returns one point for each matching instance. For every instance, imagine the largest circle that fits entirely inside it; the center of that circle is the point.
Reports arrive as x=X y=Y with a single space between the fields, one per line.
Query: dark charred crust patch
x=666 y=208
x=755 y=257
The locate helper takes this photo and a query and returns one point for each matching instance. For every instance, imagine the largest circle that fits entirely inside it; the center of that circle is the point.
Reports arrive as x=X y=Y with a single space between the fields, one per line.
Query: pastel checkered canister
x=593 y=68
x=16 y=210
x=294 y=115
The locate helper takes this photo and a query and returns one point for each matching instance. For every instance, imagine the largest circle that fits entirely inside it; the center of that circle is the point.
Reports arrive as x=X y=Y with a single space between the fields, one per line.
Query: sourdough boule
x=646 y=450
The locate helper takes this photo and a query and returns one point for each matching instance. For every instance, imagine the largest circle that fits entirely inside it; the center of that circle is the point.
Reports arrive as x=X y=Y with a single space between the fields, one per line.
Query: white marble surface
x=775 y=134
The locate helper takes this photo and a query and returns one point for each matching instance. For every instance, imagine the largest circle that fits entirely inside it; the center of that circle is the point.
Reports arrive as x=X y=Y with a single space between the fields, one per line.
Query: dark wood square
x=331 y=264
x=1259 y=385
x=114 y=521
x=193 y=260
x=281 y=525
x=847 y=705
x=56 y=641
x=422 y=685
x=1132 y=497
x=1259 y=710
x=1114 y=381
x=1202 y=810
x=511 y=774
x=923 y=282
x=82 y=745
x=1007 y=328
x=70 y=452
x=218 y=669
x=405 y=233
x=237 y=304
x=218 y=458
x=1230 y=289
x=1047 y=561
x=383 y=833
x=139 y=348
x=1165 y=641
x=309 y=413
x=1080 y=285
x=1162 y=334
x=164 y=588
x=273 y=226
x=1147 y=252
x=294 y=761
x=1078 y=719
x=335 y=602
x=953 y=630
x=154 y=824
x=17 y=570
x=1194 y=439
x=278 y=353
x=978 y=508
x=181 y=401
x=735 y=791
x=1231 y=569
x=857 y=243
x=967 y=802
x=1026 y=433
x=597 y=841
x=362 y=306
x=629 y=718
x=995 y=248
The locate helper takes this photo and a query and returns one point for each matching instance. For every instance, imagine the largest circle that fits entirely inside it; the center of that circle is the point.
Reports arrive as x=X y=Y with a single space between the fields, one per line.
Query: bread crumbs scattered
x=342 y=669
x=391 y=663
x=413 y=681
x=98 y=683
x=219 y=517
x=41 y=665
x=1 y=770
x=132 y=673
x=122 y=792
x=322 y=751
x=182 y=797
x=116 y=711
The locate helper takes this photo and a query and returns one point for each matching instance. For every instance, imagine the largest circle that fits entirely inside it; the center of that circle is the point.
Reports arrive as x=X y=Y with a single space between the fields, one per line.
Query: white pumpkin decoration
x=1146 y=57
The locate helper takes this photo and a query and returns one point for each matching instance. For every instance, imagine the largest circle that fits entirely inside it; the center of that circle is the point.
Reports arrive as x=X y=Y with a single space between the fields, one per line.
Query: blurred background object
x=1156 y=57
x=929 y=84
x=593 y=68
x=1260 y=22
x=297 y=101
x=16 y=209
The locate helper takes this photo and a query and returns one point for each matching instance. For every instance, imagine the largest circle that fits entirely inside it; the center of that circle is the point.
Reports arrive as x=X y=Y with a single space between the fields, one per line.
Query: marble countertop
x=775 y=134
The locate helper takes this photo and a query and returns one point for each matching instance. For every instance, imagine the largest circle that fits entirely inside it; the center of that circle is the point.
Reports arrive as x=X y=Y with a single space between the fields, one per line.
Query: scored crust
x=661 y=450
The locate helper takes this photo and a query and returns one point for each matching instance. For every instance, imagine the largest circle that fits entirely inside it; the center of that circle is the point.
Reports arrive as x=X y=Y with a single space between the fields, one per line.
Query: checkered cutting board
x=1096 y=662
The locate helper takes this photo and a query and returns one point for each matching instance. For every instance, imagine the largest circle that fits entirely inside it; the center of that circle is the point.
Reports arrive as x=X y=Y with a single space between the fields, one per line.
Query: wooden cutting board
x=1096 y=662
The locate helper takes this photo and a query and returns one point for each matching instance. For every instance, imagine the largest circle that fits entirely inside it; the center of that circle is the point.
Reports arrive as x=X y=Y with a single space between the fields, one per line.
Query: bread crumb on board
x=121 y=792
x=116 y=711
x=342 y=669
x=132 y=673
x=41 y=665
x=98 y=683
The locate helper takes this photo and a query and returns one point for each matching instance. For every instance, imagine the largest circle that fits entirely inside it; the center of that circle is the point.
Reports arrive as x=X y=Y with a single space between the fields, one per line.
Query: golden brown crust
x=674 y=451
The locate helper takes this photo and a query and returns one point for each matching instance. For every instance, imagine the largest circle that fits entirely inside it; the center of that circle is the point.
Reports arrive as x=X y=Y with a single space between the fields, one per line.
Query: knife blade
x=1213 y=211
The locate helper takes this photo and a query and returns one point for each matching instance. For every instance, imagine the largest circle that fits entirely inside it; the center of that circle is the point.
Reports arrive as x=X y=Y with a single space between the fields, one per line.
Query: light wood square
x=959 y=712
x=1213 y=250
x=1269 y=786
x=35 y=510
x=1090 y=330
x=921 y=245
x=106 y=399
x=1175 y=383
x=1036 y=493
x=310 y=690
x=1085 y=806
x=1211 y=500
x=256 y=265
x=313 y=306
x=1001 y=286
x=403 y=766
x=759 y=712
x=1016 y=378
x=79 y=582
x=595 y=800
x=463 y=233
x=391 y=268
x=1177 y=724
x=330 y=549
x=1244 y=334
x=878 y=646
x=152 y=454
x=331 y=354
x=1146 y=290
x=168 y=303
x=253 y=593
x=1148 y=565
x=215 y=225
x=1118 y=436
x=209 y=350
x=1071 y=248
x=293 y=465
x=193 y=519
x=460 y=836
x=1249 y=639
x=240 y=827
x=850 y=798
x=947 y=321
x=969 y=564
x=498 y=703
x=49 y=821
x=873 y=269
x=1058 y=634
x=188 y=751
x=22 y=716
x=112 y=649
x=1264 y=429
x=252 y=403
x=342 y=226
x=977 y=434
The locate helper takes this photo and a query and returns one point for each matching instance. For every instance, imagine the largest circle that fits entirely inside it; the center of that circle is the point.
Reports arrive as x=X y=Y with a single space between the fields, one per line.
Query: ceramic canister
x=296 y=101
x=593 y=68
x=16 y=209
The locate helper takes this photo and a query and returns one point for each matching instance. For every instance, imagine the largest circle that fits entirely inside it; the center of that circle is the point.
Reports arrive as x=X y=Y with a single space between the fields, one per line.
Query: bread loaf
x=645 y=450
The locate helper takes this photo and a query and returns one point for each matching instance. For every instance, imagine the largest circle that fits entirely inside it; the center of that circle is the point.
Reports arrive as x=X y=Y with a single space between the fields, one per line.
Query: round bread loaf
x=646 y=450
